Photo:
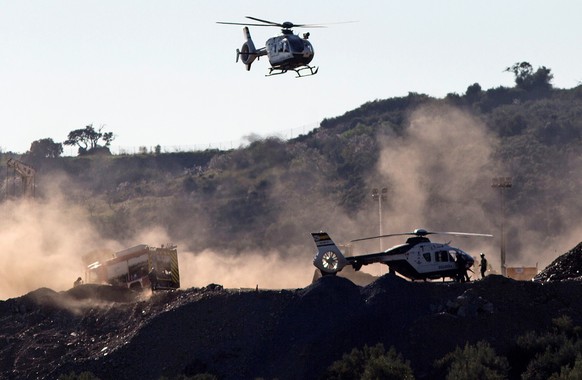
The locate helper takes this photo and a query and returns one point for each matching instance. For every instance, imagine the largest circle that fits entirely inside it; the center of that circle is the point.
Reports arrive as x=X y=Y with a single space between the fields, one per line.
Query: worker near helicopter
x=462 y=275
x=483 y=265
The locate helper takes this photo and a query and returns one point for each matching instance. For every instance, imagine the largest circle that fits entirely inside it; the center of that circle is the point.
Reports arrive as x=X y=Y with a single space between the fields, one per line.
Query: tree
x=473 y=93
x=527 y=79
x=45 y=148
x=87 y=139
x=521 y=70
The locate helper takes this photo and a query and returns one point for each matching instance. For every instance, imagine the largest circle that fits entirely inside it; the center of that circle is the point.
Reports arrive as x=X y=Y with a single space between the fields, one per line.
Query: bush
x=370 y=363
x=477 y=361
x=553 y=354
x=567 y=373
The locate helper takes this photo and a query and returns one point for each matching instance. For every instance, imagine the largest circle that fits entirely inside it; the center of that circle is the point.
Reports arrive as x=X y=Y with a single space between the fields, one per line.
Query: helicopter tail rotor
x=247 y=53
x=328 y=259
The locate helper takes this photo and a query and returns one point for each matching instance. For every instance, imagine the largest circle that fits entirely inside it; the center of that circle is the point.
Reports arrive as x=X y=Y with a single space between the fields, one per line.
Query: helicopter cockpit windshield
x=297 y=44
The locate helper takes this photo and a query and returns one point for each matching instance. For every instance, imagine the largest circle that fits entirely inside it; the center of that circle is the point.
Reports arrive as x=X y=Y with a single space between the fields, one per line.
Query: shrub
x=477 y=361
x=370 y=363
x=553 y=354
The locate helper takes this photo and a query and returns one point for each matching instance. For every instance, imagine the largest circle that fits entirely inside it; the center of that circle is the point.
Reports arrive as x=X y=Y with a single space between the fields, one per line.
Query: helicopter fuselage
x=289 y=51
x=418 y=259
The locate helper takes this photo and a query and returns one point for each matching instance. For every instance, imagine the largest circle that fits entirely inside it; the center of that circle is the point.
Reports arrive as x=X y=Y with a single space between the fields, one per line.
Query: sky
x=163 y=73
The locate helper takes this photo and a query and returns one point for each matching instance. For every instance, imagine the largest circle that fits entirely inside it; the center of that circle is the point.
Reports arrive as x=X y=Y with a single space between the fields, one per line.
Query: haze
x=438 y=176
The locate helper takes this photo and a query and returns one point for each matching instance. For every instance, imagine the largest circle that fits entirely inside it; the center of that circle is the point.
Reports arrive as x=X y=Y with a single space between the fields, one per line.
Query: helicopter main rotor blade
x=264 y=21
x=324 y=24
x=240 y=23
x=423 y=232
x=309 y=26
x=381 y=236
x=290 y=25
x=286 y=24
x=461 y=234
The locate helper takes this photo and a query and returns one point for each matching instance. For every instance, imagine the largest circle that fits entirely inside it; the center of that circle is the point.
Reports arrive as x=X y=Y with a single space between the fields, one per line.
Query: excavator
x=26 y=173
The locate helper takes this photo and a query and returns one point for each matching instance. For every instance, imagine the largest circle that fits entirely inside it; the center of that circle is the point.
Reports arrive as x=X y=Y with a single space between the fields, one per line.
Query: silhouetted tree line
x=552 y=354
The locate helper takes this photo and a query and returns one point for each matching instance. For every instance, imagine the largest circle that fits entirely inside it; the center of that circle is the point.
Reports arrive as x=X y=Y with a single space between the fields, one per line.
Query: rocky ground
x=566 y=267
x=287 y=334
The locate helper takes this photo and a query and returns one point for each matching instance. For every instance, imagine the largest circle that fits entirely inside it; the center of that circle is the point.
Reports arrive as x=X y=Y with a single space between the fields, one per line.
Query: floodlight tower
x=502 y=183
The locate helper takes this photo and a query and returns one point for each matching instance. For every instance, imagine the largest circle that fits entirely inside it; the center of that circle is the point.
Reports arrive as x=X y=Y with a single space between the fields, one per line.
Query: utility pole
x=502 y=183
x=381 y=196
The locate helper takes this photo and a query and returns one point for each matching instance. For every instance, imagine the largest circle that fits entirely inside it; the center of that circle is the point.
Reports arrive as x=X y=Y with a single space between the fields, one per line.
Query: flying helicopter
x=287 y=51
x=417 y=259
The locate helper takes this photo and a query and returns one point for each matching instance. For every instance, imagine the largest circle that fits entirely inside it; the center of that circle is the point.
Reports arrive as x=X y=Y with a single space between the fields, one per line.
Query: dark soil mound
x=566 y=267
x=330 y=290
x=286 y=334
x=104 y=293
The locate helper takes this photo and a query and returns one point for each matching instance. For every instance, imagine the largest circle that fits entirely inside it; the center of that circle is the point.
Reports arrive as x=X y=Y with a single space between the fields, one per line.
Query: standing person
x=462 y=275
x=153 y=277
x=483 y=265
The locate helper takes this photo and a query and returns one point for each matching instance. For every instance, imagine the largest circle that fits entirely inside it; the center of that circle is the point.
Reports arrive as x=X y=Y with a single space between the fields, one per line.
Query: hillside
x=242 y=218
x=287 y=334
x=246 y=213
x=248 y=194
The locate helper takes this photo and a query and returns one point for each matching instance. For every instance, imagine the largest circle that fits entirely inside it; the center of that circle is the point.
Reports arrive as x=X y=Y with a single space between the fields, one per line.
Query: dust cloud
x=42 y=244
x=439 y=177
x=247 y=270
x=444 y=160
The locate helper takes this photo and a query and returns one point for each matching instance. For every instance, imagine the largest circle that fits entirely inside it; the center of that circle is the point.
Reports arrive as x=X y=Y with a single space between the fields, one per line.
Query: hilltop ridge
x=287 y=334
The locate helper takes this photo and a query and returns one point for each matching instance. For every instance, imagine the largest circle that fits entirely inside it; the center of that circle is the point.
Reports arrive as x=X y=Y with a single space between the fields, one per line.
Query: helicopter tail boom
x=328 y=259
x=248 y=53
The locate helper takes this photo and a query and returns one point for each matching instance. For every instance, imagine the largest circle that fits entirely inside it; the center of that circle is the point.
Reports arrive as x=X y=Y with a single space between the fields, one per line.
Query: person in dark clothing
x=78 y=282
x=462 y=275
x=483 y=265
x=153 y=277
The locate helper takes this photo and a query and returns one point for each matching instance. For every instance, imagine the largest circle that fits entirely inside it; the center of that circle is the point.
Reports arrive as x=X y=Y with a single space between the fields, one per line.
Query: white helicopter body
x=417 y=259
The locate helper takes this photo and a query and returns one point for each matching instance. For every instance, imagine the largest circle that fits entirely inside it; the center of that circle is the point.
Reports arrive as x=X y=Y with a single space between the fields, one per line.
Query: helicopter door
x=442 y=256
x=282 y=47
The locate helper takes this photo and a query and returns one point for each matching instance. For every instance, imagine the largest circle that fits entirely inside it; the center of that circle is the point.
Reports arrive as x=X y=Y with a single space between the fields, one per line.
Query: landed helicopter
x=286 y=52
x=417 y=259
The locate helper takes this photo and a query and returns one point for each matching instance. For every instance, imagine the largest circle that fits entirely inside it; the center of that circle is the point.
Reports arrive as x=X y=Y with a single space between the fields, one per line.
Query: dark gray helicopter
x=286 y=52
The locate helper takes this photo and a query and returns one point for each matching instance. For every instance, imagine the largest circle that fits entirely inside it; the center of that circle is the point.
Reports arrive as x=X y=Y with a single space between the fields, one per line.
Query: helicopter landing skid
x=311 y=71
